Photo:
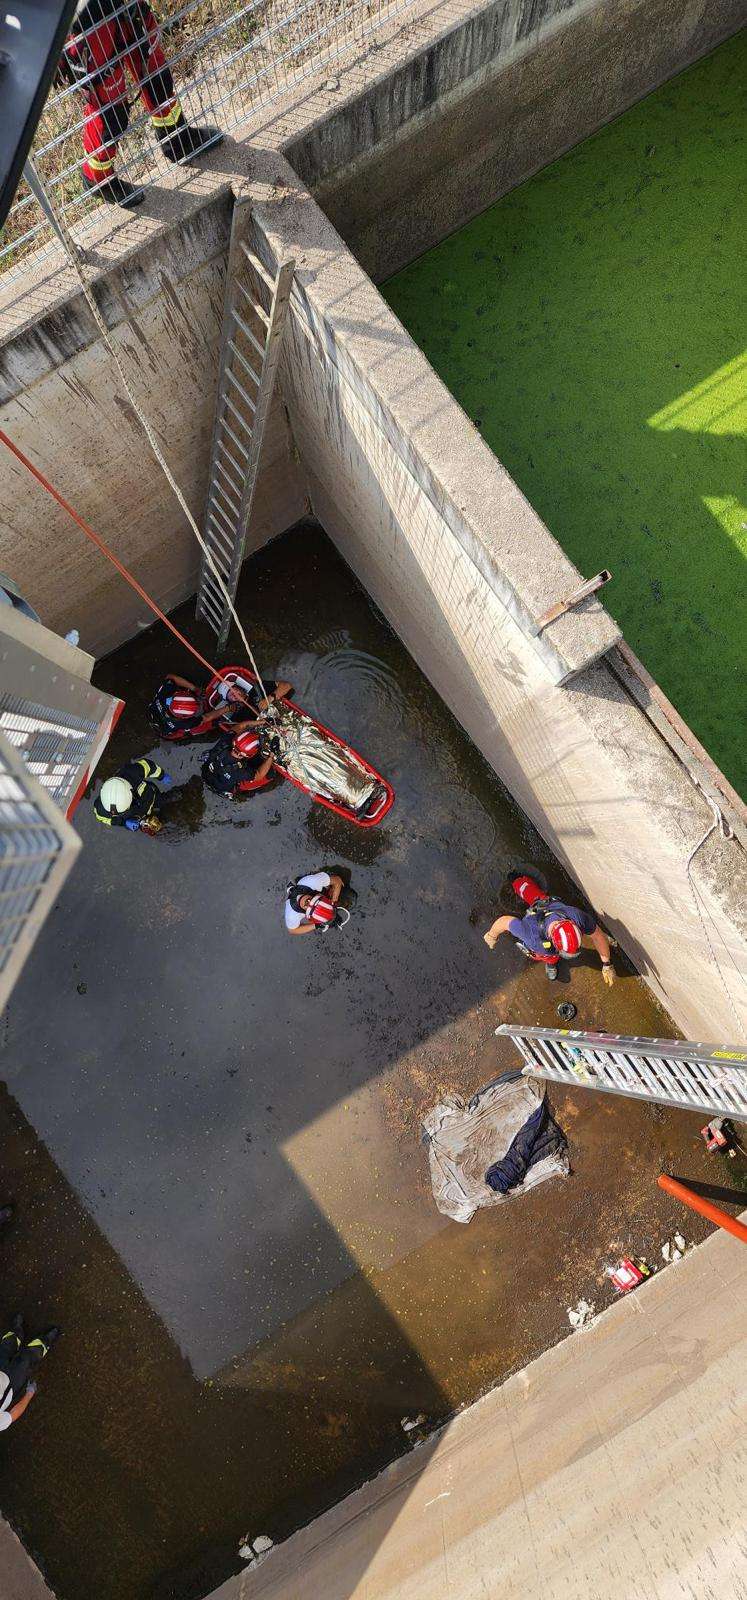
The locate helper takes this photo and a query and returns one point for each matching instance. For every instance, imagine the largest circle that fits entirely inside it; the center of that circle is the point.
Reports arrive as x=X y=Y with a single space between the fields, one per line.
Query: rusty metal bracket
x=573 y=599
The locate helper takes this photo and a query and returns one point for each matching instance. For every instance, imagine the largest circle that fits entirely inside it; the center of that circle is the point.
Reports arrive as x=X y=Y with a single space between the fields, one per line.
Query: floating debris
x=581 y=1315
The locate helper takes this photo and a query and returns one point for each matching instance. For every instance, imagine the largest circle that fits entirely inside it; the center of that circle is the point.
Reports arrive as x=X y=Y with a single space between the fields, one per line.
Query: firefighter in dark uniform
x=550 y=930
x=130 y=799
x=237 y=763
x=179 y=711
x=109 y=40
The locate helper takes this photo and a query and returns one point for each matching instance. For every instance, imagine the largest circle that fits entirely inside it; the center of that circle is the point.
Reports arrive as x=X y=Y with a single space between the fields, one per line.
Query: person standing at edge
x=550 y=930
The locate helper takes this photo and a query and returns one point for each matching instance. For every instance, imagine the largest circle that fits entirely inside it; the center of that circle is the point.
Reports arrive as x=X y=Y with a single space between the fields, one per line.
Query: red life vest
x=322 y=911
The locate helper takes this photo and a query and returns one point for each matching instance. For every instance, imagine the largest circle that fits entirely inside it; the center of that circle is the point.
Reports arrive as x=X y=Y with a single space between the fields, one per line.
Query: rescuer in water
x=179 y=711
x=110 y=39
x=17 y=1360
x=237 y=762
x=550 y=930
x=130 y=799
x=311 y=903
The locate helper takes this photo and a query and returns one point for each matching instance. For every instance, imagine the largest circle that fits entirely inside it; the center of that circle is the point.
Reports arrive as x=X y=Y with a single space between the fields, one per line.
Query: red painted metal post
x=706 y=1208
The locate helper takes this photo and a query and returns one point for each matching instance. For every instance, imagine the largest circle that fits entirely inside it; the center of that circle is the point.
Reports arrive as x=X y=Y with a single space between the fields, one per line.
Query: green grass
x=592 y=325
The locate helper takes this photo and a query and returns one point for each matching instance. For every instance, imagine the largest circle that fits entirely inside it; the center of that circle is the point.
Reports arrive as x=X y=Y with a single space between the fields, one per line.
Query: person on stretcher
x=319 y=763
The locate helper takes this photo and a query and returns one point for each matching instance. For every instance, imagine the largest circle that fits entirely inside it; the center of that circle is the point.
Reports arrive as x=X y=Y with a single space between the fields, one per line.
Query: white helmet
x=116 y=795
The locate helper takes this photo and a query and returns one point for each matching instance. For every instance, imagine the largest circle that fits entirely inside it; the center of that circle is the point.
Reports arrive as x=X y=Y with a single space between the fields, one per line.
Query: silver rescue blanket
x=464 y=1139
x=325 y=768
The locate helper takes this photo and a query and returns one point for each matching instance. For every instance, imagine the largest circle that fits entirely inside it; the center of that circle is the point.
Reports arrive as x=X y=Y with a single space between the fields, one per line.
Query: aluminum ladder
x=672 y=1072
x=252 y=337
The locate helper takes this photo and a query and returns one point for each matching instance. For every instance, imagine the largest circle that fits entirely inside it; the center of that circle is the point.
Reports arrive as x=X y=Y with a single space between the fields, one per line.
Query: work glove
x=31 y=1387
x=490 y=939
x=166 y=780
x=132 y=824
x=609 y=975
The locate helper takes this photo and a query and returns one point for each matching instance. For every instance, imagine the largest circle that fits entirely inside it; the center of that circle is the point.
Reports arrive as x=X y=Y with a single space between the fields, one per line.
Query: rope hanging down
x=105 y=550
x=73 y=258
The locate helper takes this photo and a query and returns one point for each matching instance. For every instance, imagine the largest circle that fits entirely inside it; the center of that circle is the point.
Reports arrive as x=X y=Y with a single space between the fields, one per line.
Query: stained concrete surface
x=213 y=1131
x=591 y=324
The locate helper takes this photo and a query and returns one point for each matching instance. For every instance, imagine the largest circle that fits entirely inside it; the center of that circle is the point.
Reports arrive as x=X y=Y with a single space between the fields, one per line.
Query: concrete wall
x=480 y=108
x=459 y=563
x=611 y=1466
x=62 y=403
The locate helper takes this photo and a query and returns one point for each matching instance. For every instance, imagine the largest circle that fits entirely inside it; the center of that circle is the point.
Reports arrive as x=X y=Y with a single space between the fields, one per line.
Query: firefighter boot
x=115 y=191
x=186 y=140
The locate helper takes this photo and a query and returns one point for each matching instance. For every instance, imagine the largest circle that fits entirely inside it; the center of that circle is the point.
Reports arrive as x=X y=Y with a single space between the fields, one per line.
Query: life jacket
x=222 y=769
x=169 y=710
x=538 y=912
x=322 y=911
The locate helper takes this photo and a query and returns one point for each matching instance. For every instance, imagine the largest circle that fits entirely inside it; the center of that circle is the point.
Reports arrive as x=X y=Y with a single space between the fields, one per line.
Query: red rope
x=105 y=550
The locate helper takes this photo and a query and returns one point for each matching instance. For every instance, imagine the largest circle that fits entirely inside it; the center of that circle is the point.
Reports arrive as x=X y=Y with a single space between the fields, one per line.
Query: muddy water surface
x=212 y=1131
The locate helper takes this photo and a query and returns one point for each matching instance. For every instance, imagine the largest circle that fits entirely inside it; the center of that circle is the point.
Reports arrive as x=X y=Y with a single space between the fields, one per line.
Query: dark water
x=212 y=1131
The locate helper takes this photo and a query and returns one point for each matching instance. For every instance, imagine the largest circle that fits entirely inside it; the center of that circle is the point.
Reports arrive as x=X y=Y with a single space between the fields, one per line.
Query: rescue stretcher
x=382 y=799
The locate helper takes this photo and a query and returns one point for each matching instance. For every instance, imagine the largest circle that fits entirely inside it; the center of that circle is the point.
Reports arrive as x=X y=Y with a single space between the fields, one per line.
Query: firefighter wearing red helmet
x=179 y=711
x=112 y=46
x=311 y=903
x=550 y=930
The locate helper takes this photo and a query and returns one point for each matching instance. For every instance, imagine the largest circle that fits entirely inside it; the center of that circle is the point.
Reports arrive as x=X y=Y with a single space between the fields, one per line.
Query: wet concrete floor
x=212 y=1131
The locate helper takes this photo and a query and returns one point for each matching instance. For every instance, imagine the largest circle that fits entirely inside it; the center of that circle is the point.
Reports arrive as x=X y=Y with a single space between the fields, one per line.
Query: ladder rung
x=213 y=589
x=261 y=313
x=247 y=332
x=237 y=414
x=255 y=262
x=235 y=464
x=230 y=529
x=219 y=489
x=229 y=430
x=213 y=613
x=242 y=391
x=245 y=364
x=221 y=469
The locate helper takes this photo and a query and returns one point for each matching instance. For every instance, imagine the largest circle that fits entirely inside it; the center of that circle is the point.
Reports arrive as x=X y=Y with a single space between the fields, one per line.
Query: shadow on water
x=214 y=1141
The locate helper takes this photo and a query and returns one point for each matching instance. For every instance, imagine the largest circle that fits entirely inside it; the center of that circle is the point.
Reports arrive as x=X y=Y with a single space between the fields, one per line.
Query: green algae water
x=591 y=323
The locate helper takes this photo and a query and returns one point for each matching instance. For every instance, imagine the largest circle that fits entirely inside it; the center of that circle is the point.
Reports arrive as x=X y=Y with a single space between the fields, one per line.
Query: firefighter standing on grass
x=108 y=41
x=130 y=799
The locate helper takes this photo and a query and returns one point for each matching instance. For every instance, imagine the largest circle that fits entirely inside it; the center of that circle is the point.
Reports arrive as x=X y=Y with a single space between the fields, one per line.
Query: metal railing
x=227 y=60
x=37 y=850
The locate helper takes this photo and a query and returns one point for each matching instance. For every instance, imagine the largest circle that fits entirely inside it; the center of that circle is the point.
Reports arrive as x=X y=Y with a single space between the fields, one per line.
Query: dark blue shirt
x=529 y=929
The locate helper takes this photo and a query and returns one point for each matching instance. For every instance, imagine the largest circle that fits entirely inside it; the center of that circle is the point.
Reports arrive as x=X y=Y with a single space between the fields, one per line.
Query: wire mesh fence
x=226 y=59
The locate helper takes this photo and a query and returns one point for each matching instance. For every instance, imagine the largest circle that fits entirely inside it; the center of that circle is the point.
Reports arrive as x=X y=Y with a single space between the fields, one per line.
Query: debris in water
x=255 y=1550
x=580 y=1316
x=673 y=1249
x=82 y=988
x=566 y=1011
x=628 y=1273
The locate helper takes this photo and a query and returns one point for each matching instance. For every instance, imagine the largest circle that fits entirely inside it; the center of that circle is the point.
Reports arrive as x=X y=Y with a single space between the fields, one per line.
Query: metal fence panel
x=227 y=60
x=37 y=850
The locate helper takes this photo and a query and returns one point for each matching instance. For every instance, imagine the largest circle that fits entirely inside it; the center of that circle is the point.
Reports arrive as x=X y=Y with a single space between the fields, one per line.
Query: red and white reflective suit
x=109 y=41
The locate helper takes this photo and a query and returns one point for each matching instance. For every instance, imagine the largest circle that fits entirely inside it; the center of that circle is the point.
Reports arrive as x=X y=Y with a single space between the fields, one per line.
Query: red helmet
x=566 y=937
x=182 y=704
x=246 y=744
x=321 y=911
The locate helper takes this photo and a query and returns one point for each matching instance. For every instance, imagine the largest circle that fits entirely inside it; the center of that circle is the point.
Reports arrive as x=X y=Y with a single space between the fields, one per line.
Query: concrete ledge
x=19 y=1578
x=617 y=1452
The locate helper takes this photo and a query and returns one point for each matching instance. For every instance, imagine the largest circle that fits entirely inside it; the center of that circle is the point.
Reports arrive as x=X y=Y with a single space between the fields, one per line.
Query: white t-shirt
x=6 y=1401
x=314 y=881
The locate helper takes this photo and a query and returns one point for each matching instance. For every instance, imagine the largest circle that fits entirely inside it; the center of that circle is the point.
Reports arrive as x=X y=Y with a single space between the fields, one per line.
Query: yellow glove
x=609 y=975
x=490 y=939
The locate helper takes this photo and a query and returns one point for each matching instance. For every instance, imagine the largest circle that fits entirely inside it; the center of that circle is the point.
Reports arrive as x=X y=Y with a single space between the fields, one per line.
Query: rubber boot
x=115 y=191
x=186 y=140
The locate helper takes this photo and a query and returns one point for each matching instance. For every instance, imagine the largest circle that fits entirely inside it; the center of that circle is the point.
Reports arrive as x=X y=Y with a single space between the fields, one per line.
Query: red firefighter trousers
x=114 y=49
